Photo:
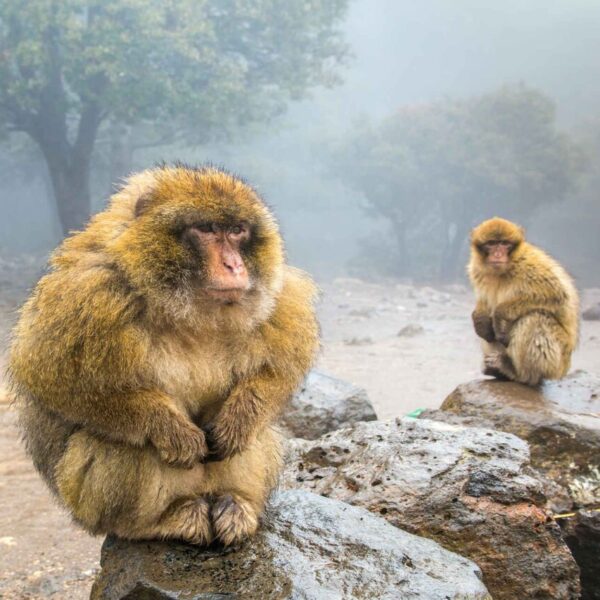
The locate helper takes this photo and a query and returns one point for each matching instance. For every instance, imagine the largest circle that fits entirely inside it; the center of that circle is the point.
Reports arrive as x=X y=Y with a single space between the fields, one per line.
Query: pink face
x=497 y=253
x=227 y=276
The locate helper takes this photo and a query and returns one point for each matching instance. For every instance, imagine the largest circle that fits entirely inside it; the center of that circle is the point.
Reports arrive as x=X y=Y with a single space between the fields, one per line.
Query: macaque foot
x=233 y=520
x=491 y=372
x=493 y=365
x=188 y=520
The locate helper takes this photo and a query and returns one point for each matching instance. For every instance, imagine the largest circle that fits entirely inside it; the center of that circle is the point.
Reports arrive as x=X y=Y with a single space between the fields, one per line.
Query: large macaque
x=151 y=361
x=527 y=308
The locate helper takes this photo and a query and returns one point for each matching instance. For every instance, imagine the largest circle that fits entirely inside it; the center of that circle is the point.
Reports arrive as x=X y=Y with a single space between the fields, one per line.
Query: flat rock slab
x=470 y=489
x=325 y=404
x=309 y=548
x=560 y=421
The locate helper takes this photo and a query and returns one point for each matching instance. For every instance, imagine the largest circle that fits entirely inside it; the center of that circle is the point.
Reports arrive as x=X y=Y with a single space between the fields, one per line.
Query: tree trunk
x=449 y=264
x=404 y=262
x=72 y=195
x=121 y=154
x=69 y=164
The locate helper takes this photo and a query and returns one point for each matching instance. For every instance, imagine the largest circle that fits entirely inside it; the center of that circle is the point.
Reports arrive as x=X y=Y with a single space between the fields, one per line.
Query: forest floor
x=408 y=346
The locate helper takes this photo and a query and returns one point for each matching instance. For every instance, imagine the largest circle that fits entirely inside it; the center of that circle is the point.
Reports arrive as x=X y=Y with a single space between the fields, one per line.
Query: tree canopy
x=207 y=67
x=435 y=170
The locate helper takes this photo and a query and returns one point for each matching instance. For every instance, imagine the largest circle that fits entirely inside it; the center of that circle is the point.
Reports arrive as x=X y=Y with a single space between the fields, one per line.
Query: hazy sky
x=404 y=52
x=412 y=52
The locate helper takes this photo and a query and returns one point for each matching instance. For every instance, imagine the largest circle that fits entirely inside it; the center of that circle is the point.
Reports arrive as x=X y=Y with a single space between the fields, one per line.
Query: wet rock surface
x=470 y=489
x=325 y=404
x=309 y=547
x=560 y=421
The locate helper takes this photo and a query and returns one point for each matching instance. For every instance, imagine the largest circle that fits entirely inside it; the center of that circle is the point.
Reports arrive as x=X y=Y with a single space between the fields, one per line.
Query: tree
x=193 y=68
x=436 y=170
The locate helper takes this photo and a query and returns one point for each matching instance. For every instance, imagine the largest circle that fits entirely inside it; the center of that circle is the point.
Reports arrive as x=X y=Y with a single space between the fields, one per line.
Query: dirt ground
x=408 y=346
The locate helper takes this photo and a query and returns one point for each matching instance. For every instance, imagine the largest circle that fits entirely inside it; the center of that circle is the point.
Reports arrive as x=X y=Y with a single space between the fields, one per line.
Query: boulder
x=582 y=534
x=469 y=489
x=560 y=420
x=309 y=547
x=592 y=313
x=325 y=404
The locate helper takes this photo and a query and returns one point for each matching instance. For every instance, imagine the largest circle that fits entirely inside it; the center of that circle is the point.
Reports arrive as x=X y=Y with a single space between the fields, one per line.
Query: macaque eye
x=205 y=227
x=237 y=229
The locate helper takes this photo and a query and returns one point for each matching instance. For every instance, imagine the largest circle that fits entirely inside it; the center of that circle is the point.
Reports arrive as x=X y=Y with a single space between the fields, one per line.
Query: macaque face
x=496 y=253
x=225 y=275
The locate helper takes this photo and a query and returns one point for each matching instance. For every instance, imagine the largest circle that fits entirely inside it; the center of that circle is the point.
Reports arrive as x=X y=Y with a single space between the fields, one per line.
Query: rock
x=582 y=534
x=310 y=547
x=325 y=404
x=410 y=330
x=592 y=313
x=469 y=489
x=559 y=420
x=358 y=341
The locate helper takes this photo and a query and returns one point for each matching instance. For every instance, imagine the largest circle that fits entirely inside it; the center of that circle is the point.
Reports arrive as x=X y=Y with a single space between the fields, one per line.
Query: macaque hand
x=483 y=326
x=502 y=327
x=231 y=430
x=178 y=441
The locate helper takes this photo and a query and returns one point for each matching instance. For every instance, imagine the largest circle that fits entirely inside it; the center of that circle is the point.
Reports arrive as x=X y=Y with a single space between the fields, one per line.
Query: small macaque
x=151 y=362
x=527 y=310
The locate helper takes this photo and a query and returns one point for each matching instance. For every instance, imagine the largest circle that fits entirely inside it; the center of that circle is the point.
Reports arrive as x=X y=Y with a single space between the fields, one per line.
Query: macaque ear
x=143 y=204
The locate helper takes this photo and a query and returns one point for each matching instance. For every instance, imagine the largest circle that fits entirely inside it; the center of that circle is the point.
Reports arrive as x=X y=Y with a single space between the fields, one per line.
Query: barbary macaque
x=527 y=309
x=151 y=361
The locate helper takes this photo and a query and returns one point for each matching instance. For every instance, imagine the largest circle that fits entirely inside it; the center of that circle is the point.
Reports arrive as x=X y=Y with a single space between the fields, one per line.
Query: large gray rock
x=560 y=421
x=310 y=548
x=470 y=489
x=325 y=404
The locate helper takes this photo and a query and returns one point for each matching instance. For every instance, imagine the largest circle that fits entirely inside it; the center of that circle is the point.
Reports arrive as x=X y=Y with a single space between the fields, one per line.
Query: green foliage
x=218 y=63
x=436 y=170
x=186 y=70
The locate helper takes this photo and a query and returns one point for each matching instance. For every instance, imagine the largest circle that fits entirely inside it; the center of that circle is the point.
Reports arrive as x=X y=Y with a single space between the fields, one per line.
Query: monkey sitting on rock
x=151 y=361
x=527 y=309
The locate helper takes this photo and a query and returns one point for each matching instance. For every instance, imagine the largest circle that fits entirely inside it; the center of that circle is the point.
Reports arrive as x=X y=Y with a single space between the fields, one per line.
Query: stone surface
x=325 y=404
x=411 y=330
x=582 y=534
x=470 y=489
x=309 y=548
x=560 y=421
x=592 y=313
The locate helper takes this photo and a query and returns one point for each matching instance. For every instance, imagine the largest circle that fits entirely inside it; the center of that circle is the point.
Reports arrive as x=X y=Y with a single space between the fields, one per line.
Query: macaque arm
x=87 y=365
x=291 y=338
x=482 y=322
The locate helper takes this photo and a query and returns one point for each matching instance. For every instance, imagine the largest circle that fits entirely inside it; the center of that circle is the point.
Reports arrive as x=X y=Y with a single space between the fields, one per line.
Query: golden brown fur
x=527 y=312
x=120 y=364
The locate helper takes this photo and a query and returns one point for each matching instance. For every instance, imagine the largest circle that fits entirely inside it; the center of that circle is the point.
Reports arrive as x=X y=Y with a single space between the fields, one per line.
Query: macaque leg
x=496 y=361
x=128 y=491
x=540 y=349
x=241 y=485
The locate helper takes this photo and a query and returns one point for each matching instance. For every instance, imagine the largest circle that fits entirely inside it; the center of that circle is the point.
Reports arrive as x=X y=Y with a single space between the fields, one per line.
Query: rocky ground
x=408 y=346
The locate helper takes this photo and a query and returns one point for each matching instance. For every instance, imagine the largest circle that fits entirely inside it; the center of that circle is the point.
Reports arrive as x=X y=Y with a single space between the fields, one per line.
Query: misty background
x=443 y=114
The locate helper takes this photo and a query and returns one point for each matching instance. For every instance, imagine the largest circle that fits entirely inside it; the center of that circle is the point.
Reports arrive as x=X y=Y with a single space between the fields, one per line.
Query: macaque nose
x=233 y=262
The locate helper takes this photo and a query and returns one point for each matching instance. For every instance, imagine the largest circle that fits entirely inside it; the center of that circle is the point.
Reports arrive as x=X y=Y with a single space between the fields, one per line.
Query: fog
x=402 y=54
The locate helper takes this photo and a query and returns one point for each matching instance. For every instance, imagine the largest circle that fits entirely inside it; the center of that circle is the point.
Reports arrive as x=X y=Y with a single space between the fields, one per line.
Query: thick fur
x=527 y=313
x=120 y=364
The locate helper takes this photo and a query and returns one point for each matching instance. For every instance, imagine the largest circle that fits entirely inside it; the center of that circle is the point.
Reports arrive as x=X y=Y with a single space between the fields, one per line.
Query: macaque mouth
x=227 y=295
